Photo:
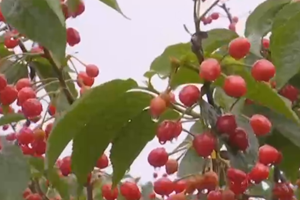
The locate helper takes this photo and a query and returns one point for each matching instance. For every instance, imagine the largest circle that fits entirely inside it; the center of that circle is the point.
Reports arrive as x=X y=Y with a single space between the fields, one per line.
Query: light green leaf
x=33 y=19
x=130 y=141
x=146 y=190
x=186 y=75
x=223 y=100
x=104 y=125
x=14 y=172
x=285 y=48
x=114 y=5
x=260 y=21
x=13 y=70
x=217 y=38
x=10 y=118
x=85 y=110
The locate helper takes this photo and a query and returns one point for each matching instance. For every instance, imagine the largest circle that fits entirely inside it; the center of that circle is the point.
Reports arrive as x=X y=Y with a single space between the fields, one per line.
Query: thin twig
x=209 y=8
x=226 y=10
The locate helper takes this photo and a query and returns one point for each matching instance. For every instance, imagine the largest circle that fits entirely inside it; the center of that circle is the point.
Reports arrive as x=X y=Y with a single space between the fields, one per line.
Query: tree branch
x=226 y=10
x=89 y=191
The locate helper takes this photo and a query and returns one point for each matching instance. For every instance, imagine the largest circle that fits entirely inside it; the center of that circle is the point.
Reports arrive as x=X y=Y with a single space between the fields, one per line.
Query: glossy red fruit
x=34 y=196
x=1 y=17
x=32 y=108
x=8 y=95
x=236 y=175
x=239 y=139
x=109 y=193
x=51 y=109
x=65 y=166
x=215 y=16
x=48 y=129
x=210 y=69
x=39 y=147
x=3 y=82
x=180 y=186
x=25 y=136
x=11 y=42
x=290 y=92
x=73 y=37
x=92 y=70
x=39 y=134
x=26 y=193
x=260 y=125
x=11 y=137
x=171 y=166
x=283 y=190
x=24 y=94
x=263 y=70
x=163 y=186
x=235 y=86
x=189 y=95
x=84 y=80
x=265 y=43
x=158 y=157
x=226 y=124
x=27 y=150
x=80 y=9
x=130 y=191
x=65 y=10
x=259 y=173
x=204 y=144
x=214 y=195
x=239 y=48
x=235 y=19
x=152 y=195
x=102 y=162
x=23 y=82
x=168 y=130
x=157 y=106
x=268 y=155
x=232 y=26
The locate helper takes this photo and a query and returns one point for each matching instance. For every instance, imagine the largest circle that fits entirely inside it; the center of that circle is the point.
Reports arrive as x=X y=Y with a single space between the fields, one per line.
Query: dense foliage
x=243 y=143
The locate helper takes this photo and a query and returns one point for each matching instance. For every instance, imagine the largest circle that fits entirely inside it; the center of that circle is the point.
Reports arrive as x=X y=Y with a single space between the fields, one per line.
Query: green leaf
x=14 y=171
x=260 y=92
x=217 y=38
x=131 y=140
x=14 y=70
x=33 y=19
x=146 y=190
x=285 y=14
x=108 y=119
x=45 y=71
x=186 y=75
x=260 y=21
x=114 y=5
x=10 y=118
x=285 y=48
x=223 y=100
x=87 y=110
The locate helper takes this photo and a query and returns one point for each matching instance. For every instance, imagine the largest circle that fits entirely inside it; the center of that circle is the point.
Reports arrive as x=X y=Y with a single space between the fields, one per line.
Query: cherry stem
x=179 y=149
x=197 y=19
x=226 y=10
x=209 y=9
x=73 y=65
x=77 y=60
x=234 y=103
x=188 y=132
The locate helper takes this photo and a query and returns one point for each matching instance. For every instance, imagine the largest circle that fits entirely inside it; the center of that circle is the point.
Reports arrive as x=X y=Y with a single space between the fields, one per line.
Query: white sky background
x=125 y=48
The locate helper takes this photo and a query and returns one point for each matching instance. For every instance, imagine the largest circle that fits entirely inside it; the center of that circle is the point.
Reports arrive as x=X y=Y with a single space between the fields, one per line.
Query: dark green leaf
x=14 y=70
x=33 y=19
x=186 y=75
x=149 y=74
x=131 y=140
x=104 y=125
x=10 y=118
x=87 y=110
x=4 y=51
x=217 y=38
x=285 y=14
x=260 y=21
x=169 y=114
x=295 y=81
x=14 y=172
x=285 y=48
x=114 y=5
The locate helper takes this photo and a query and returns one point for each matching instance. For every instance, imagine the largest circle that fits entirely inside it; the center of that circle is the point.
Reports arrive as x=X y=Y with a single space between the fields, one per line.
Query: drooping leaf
x=10 y=118
x=33 y=19
x=14 y=171
x=217 y=38
x=14 y=70
x=130 y=141
x=285 y=48
x=114 y=5
x=87 y=108
x=260 y=21
x=103 y=127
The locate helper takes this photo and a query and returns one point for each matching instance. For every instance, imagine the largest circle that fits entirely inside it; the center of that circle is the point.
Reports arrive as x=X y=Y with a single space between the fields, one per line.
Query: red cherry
x=235 y=86
x=48 y=129
x=80 y=9
x=204 y=144
x=189 y=95
x=11 y=42
x=92 y=71
x=239 y=139
x=239 y=48
x=32 y=108
x=109 y=193
x=23 y=82
x=163 y=186
x=214 y=195
x=157 y=106
x=73 y=37
x=1 y=17
x=239 y=188
x=263 y=70
x=26 y=193
x=235 y=19
x=130 y=191
x=260 y=125
x=65 y=166
x=180 y=186
x=3 y=82
x=27 y=150
x=210 y=69
x=11 y=137
x=226 y=123
x=267 y=154
x=84 y=80
x=25 y=136
x=155 y=175
x=39 y=134
x=171 y=166
x=152 y=196
x=228 y=195
x=34 y=196
x=102 y=162
x=39 y=147
x=283 y=190
x=259 y=173
x=65 y=10
x=158 y=157
x=215 y=16
x=290 y=92
x=232 y=26
x=168 y=130
x=8 y=95
x=51 y=110
x=24 y=94
x=236 y=175
x=265 y=43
